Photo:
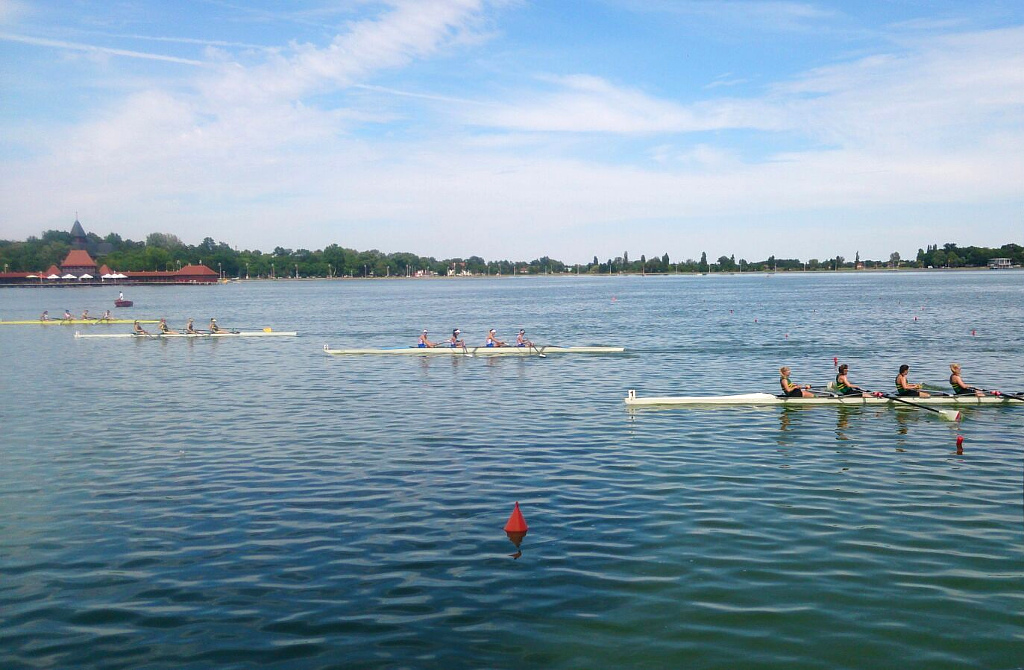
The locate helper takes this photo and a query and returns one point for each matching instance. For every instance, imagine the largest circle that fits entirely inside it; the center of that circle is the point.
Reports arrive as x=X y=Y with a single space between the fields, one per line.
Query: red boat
x=123 y=303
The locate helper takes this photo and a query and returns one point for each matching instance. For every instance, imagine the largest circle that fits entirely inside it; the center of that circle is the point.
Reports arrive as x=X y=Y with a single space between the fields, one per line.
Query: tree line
x=165 y=251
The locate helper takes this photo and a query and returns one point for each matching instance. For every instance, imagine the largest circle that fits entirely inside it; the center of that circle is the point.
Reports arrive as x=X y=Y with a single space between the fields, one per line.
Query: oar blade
x=950 y=414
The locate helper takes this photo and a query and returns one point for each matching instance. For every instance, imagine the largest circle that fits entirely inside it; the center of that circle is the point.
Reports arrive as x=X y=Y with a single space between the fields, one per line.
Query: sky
x=514 y=129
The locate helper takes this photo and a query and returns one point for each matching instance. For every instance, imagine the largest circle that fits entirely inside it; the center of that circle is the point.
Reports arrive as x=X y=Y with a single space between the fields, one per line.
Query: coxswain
x=960 y=387
x=85 y=316
x=492 y=339
x=843 y=385
x=521 y=340
x=107 y=316
x=214 y=328
x=424 y=342
x=791 y=390
x=164 y=328
x=45 y=316
x=455 y=340
x=904 y=387
x=137 y=327
x=190 y=328
x=67 y=316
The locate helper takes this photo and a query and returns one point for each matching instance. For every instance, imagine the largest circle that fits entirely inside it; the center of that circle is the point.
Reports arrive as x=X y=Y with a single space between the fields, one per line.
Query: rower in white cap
x=424 y=342
x=492 y=339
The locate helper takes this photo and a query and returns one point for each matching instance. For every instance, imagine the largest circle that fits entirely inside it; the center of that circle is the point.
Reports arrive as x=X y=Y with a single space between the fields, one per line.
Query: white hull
x=761 y=399
x=161 y=336
x=474 y=351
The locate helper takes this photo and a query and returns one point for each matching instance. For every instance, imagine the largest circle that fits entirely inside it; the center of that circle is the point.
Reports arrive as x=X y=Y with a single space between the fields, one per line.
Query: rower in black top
x=960 y=387
x=791 y=390
x=843 y=385
x=905 y=388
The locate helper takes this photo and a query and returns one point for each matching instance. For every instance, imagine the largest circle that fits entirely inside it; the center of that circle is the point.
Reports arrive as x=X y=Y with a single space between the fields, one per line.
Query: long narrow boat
x=74 y=322
x=758 y=399
x=474 y=351
x=160 y=336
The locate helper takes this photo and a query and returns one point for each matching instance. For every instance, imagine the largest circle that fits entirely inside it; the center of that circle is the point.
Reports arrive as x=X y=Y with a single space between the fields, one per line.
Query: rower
x=67 y=316
x=189 y=327
x=904 y=387
x=455 y=341
x=843 y=385
x=137 y=327
x=424 y=342
x=791 y=390
x=107 y=316
x=214 y=328
x=85 y=316
x=521 y=340
x=45 y=316
x=492 y=339
x=164 y=328
x=960 y=387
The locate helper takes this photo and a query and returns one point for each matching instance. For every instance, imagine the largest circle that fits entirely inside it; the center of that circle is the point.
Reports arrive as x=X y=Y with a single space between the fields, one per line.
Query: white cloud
x=248 y=156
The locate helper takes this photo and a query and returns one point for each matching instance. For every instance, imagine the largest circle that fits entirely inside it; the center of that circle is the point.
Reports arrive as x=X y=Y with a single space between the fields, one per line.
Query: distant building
x=78 y=262
x=1000 y=263
x=80 y=241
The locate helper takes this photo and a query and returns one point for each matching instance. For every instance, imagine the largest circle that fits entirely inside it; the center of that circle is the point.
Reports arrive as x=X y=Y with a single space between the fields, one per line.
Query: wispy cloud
x=271 y=151
x=91 y=48
x=771 y=15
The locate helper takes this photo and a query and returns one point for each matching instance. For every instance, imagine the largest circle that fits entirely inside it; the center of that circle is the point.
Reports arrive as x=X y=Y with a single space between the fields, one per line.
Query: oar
x=540 y=354
x=1000 y=394
x=947 y=414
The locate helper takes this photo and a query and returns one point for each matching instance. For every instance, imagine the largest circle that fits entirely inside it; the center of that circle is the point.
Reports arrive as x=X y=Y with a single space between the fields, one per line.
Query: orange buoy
x=516 y=523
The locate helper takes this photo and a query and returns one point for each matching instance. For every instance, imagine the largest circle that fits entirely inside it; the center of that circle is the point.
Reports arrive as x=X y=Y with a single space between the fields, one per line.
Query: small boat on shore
x=541 y=350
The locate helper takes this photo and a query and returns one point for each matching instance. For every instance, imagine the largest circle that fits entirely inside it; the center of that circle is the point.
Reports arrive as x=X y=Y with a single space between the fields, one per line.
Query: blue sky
x=514 y=129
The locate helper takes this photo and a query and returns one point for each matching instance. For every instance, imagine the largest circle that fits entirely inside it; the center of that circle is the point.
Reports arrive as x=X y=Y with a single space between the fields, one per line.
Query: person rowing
x=521 y=340
x=791 y=390
x=45 y=316
x=190 y=327
x=107 y=316
x=68 y=316
x=164 y=328
x=214 y=328
x=425 y=343
x=843 y=385
x=492 y=339
x=137 y=328
x=455 y=341
x=960 y=387
x=85 y=316
x=905 y=388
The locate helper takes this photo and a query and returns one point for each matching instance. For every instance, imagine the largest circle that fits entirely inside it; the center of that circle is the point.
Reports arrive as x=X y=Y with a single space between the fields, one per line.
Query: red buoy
x=959 y=441
x=974 y=332
x=516 y=523
x=835 y=361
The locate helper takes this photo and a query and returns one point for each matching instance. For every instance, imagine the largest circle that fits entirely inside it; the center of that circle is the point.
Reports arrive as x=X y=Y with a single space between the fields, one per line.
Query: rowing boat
x=751 y=399
x=74 y=322
x=253 y=333
x=474 y=351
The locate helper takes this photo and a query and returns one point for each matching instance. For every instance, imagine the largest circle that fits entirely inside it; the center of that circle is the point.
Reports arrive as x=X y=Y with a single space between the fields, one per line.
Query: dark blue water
x=232 y=503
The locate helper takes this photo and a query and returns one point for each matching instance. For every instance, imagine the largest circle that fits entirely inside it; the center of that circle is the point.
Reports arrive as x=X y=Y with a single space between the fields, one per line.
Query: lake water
x=174 y=504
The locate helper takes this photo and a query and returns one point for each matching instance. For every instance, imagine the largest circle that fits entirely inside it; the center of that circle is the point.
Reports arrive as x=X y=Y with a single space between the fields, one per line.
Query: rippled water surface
x=169 y=504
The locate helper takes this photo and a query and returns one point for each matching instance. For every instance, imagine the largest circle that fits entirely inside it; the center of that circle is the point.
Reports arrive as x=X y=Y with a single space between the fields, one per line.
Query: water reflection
x=516 y=538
